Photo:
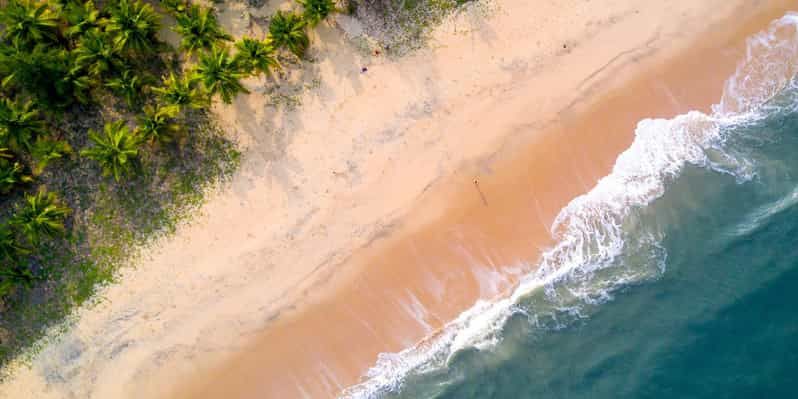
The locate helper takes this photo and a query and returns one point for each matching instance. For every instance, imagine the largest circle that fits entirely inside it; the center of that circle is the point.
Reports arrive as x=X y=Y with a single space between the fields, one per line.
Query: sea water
x=675 y=277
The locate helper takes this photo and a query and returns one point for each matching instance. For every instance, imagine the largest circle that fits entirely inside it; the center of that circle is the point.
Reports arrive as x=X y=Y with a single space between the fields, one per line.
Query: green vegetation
x=106 y=140
x=316 y=10
x=287 y=30
x=220 y=74
x=115 y=149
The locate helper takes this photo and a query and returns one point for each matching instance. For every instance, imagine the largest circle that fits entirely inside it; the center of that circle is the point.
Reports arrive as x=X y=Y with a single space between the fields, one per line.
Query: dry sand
x=355 y=226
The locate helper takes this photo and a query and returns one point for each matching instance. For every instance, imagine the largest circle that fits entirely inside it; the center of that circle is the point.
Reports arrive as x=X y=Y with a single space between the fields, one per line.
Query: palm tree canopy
x=155 y=124
x=287 y=30
x=182 y=91
x=81 y=17
x=11 y=174
x=114 y=149
x=97 y=52
x=129 y=86
x=134 y=25
x=218 y=72
x=46 y=150
x=317 y=10
x=199 y=29
x=19 y=123
x=255 y=55
x=42 y=214
x=29 y=22
x=51 y=75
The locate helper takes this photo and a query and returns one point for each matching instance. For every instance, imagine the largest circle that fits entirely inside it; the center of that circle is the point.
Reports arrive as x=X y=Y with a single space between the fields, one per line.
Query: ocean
x=676 y=276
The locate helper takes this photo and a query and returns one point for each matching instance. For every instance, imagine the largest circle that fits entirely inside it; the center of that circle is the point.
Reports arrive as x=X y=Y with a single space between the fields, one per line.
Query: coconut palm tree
x=255 y=56
x=155 y=124
x=174 y=7
x=19 y=124
x=316 y=10
x=182 y=91
x=115 y=149
x=219 y=73
x=41 y=215
x=45 y=150
x=81 y=17
x=287 y=30
x=12 y=173
x=10 y=247
x=133 y=25
x=97 y=53
x=51 y=75
x=199 y=28
x=29 y=22
x=129 y=86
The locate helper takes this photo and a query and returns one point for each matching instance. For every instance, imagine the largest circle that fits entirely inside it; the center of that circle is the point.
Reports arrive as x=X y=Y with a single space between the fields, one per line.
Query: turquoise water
x=675 y=277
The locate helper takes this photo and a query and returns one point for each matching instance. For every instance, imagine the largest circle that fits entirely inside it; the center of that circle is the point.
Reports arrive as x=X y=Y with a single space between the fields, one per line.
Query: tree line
x=57 y=56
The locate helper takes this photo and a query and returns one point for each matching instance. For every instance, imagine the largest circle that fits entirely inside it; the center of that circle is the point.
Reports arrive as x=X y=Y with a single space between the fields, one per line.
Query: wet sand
x=472 y=236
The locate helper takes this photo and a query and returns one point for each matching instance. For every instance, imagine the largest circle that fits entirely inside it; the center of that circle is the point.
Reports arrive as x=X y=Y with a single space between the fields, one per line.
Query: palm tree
x=51 y=75
x=181 y=91
x=97 y=53
x=199 y=28
x=46 y=150
x=134 y=26
x=11 y=174
x=174 y=7
x=19 y=123
x=41 y=215
x=29 y=22
x=10 y=247
x=255 y=56
x=287 y=30
x=156 y=125
x=218 y=72
x=316 y=10
x=129 y=86
x=81 y=17
x=114 y=149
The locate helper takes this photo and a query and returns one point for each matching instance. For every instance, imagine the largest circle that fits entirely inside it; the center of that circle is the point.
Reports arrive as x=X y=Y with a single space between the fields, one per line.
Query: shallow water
x=673 y=277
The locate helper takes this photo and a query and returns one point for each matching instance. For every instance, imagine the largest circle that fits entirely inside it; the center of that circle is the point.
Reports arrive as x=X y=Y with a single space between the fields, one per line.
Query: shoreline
x=217 y=290
x=292 y=358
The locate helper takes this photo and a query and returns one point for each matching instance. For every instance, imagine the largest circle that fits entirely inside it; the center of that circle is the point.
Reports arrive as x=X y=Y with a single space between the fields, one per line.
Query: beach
x=388 y=202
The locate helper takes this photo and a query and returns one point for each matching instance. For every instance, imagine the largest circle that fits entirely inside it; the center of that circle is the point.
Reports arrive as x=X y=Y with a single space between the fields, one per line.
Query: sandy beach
x=378 y=206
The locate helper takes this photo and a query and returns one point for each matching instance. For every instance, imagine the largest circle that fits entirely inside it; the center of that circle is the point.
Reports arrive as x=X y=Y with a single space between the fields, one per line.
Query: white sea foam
x=592 y=231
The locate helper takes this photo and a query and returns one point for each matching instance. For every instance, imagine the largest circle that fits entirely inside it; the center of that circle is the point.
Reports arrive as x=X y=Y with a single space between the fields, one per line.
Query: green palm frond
x=314 y=11
x=46 y=150
x=199 y=29
x=97 y=53
x=182 y=91
x=129 y=86
x=218 y=72
x=133 y=25
x=287 y=30
x=174 y=7
x=41 y=215
x=156 y=124
x=81 y=17
x=256 y=56
x=10 y=247
x=115 y=149
x=19 y=124
x=29 y=22
x=51 y=75
x=12 y=173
